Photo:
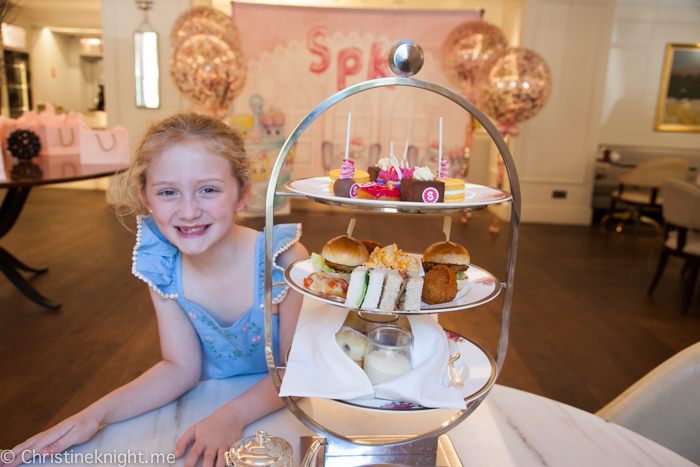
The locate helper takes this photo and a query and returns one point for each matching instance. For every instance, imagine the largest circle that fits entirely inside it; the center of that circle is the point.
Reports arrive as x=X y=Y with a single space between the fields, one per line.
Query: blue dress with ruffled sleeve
x=227 y=351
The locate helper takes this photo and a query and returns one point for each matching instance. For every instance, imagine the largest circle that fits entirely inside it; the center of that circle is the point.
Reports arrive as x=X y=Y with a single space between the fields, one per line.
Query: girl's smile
x=193 y=231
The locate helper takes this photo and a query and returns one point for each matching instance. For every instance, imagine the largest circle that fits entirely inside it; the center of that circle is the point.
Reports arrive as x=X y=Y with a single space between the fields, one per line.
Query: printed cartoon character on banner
x=263 y=131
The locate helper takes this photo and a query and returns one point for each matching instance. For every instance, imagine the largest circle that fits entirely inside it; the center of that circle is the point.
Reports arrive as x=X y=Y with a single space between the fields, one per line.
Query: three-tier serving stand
x=426 y=449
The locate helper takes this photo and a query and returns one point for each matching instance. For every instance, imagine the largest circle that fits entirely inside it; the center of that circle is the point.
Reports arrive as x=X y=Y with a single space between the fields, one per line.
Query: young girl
x=205 y=275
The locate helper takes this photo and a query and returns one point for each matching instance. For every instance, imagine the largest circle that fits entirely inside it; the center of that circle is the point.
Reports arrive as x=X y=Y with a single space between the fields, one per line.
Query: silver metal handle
x=312 y=453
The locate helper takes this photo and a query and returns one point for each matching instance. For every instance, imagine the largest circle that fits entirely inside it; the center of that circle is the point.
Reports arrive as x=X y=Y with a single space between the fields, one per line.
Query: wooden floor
x=582 y=328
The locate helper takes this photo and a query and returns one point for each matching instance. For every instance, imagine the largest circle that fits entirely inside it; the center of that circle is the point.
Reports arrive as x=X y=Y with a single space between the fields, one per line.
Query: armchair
x=640 y=190
x=681 y=214
x=663 y=405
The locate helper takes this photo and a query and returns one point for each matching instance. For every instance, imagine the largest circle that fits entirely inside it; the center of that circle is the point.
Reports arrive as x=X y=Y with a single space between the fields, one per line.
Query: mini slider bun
x=446 y=253
x=333 y=268
x=450 y=254
x=344 y=253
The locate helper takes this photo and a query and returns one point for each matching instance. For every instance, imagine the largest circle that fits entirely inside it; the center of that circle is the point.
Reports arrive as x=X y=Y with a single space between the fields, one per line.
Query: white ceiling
x=57 y=13
x=85 y=14
x=74 y=13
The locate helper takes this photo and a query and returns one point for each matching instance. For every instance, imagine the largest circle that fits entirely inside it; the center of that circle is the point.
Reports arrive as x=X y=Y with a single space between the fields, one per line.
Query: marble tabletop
x=511 y=428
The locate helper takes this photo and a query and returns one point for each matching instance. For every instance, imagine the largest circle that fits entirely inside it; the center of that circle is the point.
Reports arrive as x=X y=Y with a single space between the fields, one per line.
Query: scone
x=353 y=344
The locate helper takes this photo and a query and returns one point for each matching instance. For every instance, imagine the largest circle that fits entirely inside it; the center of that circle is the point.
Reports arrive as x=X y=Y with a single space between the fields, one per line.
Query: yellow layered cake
x=454 y=190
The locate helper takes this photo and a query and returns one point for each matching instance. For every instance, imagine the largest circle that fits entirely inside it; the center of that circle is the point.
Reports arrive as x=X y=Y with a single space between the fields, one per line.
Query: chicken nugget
x=439 y=285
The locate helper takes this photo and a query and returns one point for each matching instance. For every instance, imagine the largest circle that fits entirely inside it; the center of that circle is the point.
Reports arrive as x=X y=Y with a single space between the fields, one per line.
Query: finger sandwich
x=377 y=276
x=388 y=290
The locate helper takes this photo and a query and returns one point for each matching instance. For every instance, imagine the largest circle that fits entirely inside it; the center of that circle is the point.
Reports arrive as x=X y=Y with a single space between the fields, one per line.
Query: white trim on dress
x=171 y=296
x=285 y=247
x=174 y=296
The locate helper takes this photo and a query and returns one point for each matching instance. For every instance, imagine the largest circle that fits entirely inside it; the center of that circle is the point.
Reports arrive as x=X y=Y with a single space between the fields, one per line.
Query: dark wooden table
x=55 y=169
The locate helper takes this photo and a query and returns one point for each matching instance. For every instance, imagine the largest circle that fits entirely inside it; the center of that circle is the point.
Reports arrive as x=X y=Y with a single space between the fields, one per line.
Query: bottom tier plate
x=476 y=368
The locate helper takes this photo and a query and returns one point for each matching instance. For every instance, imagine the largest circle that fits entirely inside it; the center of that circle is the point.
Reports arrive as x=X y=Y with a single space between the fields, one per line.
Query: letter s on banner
x=349 y=63
x=312 y=43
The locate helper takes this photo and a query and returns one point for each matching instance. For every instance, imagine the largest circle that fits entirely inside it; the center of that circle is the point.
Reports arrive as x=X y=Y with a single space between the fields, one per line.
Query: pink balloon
x=513 y=85
x=202 y=20
x=207 y=63
x=467 y=48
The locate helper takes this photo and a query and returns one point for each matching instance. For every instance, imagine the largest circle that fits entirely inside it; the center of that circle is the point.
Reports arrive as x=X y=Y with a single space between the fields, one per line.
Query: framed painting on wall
x=678 y=107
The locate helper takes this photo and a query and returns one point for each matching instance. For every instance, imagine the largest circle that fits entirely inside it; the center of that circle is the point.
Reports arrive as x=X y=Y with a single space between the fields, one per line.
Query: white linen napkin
x=318 y=367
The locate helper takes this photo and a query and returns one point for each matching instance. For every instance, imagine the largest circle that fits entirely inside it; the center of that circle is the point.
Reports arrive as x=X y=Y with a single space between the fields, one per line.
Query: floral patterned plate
x=476 y=369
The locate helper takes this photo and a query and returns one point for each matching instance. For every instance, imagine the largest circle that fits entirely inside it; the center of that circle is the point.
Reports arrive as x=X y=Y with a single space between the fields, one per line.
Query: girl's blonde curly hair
x=208 y=133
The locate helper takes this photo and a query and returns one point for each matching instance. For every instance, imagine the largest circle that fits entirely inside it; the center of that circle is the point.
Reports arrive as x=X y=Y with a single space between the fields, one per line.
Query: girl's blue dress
x=227 y=351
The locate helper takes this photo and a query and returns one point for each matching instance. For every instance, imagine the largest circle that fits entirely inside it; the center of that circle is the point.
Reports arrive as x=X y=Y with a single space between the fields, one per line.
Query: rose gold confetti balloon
x=513 y=85
x=207 y=63
x=467 y=48
x=202 y=20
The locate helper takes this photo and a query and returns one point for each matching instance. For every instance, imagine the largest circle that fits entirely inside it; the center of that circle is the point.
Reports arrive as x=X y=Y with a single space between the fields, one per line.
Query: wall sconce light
x=146 y=64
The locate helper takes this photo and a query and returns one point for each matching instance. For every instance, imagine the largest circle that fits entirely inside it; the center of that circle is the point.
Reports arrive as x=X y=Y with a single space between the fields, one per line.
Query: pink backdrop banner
x=299 y=56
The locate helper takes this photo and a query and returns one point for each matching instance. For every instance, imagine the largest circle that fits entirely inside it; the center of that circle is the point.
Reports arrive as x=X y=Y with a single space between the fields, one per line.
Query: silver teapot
x=260 y=450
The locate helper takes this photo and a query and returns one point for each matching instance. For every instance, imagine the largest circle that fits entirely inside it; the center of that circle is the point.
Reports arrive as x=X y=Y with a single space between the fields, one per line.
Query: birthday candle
x=347 y=140
x=395 y=162
x=405 y=156
x=440 y=150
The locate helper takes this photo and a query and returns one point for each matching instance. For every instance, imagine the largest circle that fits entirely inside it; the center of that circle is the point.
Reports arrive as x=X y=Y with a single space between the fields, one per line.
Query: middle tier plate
x=481 y=287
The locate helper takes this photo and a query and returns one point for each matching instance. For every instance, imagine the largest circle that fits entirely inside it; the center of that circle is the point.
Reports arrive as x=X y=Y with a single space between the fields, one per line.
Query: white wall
x=55 y=68
x=642 y=30
x=557 y=147
x=119 y=21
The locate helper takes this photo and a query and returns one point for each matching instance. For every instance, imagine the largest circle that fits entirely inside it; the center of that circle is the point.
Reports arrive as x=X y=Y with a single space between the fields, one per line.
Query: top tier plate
x=475 y=197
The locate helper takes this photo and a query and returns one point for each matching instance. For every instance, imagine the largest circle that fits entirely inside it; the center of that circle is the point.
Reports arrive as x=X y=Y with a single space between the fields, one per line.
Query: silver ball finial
x=406 y=58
